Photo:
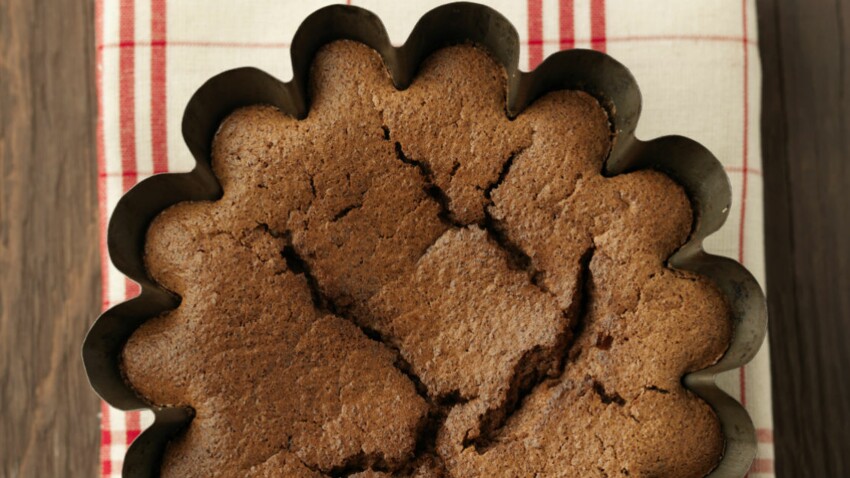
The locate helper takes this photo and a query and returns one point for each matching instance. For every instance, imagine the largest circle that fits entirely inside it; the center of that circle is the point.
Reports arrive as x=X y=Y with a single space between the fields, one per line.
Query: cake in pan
x=411 y=284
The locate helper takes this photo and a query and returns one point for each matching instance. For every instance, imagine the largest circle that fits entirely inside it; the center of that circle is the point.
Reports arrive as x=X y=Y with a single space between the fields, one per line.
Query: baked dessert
x=410 y=284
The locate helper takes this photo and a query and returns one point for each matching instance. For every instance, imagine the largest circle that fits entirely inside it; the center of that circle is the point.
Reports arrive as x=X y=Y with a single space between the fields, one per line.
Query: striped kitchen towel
x=696 y=62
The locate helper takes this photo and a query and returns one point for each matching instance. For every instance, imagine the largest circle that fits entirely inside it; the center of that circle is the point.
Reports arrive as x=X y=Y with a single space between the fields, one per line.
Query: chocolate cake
x=411 y=284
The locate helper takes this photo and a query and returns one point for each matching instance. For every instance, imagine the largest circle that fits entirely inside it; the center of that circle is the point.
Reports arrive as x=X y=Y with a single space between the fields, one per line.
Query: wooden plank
x=806 y=145
x=49 y=261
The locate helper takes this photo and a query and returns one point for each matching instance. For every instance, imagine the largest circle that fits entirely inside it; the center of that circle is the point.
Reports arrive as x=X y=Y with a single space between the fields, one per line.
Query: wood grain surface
x=49 y=259
x=805 y=48
x=49 y=284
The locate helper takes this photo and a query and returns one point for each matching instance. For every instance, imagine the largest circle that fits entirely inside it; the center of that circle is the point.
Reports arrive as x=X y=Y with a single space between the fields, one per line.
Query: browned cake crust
x=409 y=284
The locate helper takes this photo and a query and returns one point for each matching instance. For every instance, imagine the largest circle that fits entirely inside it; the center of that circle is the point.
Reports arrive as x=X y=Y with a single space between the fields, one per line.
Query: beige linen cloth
x=696 y=62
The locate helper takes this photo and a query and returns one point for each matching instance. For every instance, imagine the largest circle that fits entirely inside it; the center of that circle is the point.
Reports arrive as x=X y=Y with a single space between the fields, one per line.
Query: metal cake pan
x=686 y=161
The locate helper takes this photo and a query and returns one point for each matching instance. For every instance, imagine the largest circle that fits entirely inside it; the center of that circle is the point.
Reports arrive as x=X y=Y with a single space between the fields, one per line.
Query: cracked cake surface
x=411 y=284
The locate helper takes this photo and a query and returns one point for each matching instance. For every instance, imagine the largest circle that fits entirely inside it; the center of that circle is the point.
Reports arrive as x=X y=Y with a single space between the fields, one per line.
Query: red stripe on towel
x=159 y=110
x=597 y=25
x=134 y=426
x=535 y=33
x=101 y=157
x=744 y=166
x=566 y=24
x=127 y=107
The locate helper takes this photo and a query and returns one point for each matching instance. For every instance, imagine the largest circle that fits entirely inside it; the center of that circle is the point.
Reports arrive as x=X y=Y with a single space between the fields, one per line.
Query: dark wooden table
x=805 y=49
x=49 y=262
x=49 y=259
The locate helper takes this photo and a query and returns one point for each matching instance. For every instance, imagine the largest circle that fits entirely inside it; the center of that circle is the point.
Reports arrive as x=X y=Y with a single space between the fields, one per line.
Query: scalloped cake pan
x=686 y=161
